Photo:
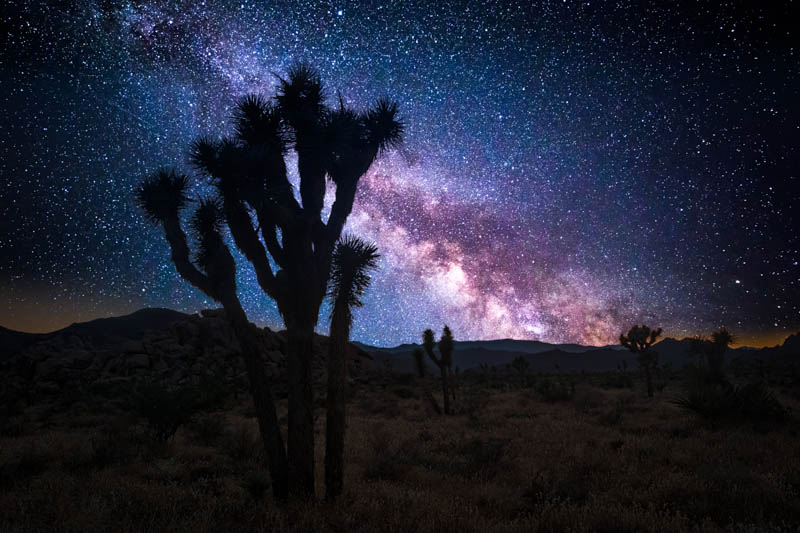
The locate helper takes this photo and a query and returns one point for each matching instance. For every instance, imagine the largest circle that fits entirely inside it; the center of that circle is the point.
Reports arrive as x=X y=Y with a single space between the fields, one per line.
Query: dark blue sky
x=570 y=167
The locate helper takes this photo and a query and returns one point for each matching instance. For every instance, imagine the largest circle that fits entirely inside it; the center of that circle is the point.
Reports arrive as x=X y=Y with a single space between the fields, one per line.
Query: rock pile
x=185 y=349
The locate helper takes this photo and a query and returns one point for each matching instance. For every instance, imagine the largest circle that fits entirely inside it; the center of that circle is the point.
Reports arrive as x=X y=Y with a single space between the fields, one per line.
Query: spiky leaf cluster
x=639 y=338
x=162 y=195
x=352 y=261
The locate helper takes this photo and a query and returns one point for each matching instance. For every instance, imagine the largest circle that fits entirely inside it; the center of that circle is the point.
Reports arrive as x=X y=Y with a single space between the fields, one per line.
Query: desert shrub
x=19 y=464
x=473 y=401
x=386 y=459
x=382 y=405
x=549 y=489
x=612 y=415
x=404 y=393
x=552 y=390
x=586 y=400
x=164 y=409
x=616 y=380
x=752 y=402
x=96 y=452
x=211 y=391
x=403 y=378
x=256 y=483
x=383 y=460
x=481 y=457
x=207 y=428
x=242 y=444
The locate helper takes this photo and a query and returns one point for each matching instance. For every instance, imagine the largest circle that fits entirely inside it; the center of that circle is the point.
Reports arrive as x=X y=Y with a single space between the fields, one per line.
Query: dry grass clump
x=509 y=460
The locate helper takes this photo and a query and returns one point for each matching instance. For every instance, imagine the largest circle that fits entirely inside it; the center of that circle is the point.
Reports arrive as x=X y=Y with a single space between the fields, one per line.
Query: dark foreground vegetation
x=557 y=452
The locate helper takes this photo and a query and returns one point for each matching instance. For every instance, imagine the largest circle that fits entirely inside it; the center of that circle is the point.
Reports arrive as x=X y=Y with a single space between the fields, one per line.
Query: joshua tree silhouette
x=258 y=205
x=353 y=259
x=521 y=365
x=713 y=353
x=444 y=361
x=639 y=340
x=419 y=362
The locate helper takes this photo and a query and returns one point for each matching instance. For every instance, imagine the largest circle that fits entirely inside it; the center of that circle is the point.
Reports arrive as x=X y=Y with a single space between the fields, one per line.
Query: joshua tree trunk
x=445 y=393
x=300 y=344
x=266 y=414
x=335 y=422
x=648 y=377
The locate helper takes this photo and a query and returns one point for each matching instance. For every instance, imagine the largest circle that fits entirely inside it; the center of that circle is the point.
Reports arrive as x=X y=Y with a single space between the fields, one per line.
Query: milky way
x=570 y=168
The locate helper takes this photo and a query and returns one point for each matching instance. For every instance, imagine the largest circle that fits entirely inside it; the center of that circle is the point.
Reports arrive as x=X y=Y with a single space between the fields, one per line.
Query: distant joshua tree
x=639 y=340
x=521 y=365
x=419 y=362
x=353 y=259
x=444 y=361
x=271 y=226
x=713 y=353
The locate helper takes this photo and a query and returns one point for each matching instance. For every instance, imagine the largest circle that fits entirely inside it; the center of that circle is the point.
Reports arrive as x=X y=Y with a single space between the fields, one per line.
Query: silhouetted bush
x=752 y=402
x=404 y=393
x=617 y=380
x=613 y=415
x=256 y=483
x=164 y=409
x=552 y=390
x=384 y=462
x=546 y=489
x=207 y=428
x=242 y=443
x=211 y=392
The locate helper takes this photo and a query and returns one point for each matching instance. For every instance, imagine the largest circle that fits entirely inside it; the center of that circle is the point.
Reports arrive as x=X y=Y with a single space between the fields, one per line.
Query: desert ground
x=551 y=453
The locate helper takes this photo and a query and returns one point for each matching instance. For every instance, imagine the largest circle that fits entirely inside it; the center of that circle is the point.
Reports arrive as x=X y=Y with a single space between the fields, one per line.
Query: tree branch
x=180 y=257
x=246 y=239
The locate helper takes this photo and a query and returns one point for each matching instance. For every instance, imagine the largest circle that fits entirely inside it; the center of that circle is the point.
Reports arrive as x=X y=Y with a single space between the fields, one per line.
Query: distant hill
x=102 y=331
x=161 y=345
x=543 y=357
x=130 y=327
x=498 y=345
x=15 y=341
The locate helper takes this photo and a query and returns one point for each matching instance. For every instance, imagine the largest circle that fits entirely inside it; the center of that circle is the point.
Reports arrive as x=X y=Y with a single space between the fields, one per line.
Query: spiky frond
x=258 y=122
x=341 y=136
x=384 y=130
x=723 y=337
x=203 y=153
x=446 y=345
x=428 y=340
x=301 y=96
x=234 y=178
x=206 y=225
x=639 y=338
x=208 y=218
x=352 y=261
x=162 y=195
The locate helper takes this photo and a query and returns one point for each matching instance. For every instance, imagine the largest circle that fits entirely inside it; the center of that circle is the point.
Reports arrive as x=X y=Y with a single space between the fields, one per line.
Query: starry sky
x=570 y=168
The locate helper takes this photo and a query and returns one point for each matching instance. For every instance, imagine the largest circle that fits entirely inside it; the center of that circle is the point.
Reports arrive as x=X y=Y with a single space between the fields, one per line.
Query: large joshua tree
x=639 y=340
x=274 y=228
x=353 y=259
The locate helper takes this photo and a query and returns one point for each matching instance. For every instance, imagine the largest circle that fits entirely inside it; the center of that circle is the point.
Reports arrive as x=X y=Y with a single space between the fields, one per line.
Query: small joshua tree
x=521 y=365
x=713 y=353
x=639 y=340
x=419 y=362
x=353 y=259
x=445 y=359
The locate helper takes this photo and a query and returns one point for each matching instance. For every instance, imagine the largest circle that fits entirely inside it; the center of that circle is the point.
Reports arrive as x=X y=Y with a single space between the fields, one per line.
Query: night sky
x=569 y=169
